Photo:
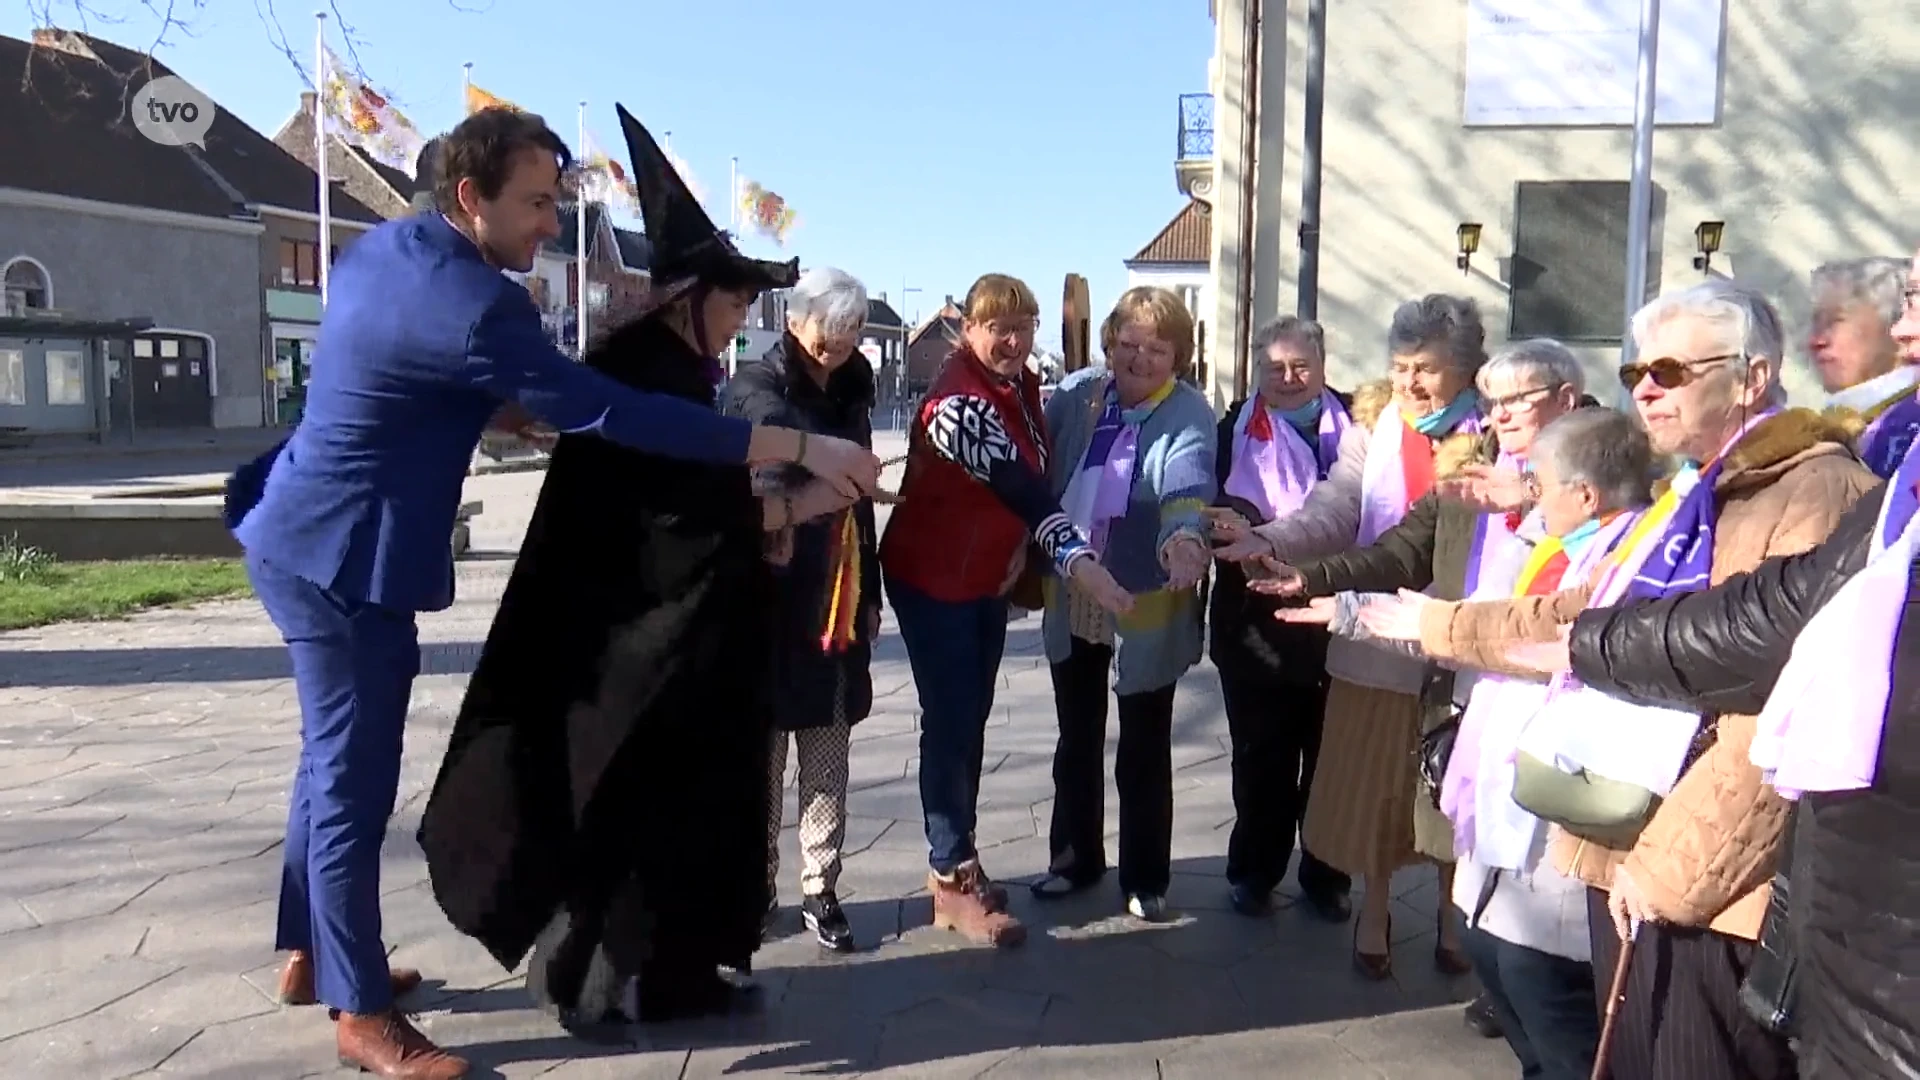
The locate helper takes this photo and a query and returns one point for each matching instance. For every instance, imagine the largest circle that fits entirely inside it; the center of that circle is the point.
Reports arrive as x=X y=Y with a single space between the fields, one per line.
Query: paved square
x=144 y=767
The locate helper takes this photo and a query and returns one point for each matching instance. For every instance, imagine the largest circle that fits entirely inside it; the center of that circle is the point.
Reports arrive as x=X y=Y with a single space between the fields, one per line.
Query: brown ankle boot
x=296 y=980
x=387 y=1045
x=964 y=903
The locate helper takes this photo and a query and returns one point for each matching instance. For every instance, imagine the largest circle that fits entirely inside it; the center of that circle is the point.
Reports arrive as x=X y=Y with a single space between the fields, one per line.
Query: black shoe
x=1481 y=1020
x=1251 y=902
x=828 y=922
x=1335 y=906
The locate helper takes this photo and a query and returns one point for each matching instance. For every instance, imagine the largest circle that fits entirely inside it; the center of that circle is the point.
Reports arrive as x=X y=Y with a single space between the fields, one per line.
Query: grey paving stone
x=144 y=769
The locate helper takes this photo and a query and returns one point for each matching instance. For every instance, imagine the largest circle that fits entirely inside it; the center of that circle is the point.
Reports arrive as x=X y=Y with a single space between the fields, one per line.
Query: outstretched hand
x=1252 y=547
x=1186 y=561
x=1494 y=489
x=852 y=469
x=1268 y=576
x=1317 y=612
x=1395 y=619
x=1545 y=657
x=1095 y=580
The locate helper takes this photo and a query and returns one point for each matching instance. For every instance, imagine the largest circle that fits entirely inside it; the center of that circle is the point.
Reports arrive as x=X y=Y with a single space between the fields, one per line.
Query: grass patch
x=36 y=590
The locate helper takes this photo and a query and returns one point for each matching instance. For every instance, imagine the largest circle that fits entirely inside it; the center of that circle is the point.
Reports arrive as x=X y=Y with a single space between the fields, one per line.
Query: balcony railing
x=1196 y=126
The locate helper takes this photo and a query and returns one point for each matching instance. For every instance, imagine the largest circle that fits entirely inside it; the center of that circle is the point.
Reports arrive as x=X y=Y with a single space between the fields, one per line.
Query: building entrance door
x=172 y=381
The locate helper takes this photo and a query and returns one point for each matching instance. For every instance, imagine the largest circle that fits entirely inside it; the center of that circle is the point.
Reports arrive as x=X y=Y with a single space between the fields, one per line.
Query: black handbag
x=1436 y=749
x=1768 y=993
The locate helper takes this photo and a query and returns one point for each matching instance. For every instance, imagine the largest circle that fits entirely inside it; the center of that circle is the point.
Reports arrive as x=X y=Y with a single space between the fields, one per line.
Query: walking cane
x=1615 y=995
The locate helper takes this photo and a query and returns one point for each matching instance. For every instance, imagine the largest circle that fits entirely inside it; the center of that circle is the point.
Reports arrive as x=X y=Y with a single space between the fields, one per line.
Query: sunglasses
x=1668 y=373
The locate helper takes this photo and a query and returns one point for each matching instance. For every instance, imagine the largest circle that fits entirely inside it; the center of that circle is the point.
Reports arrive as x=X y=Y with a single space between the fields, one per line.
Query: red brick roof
x=1188 y=238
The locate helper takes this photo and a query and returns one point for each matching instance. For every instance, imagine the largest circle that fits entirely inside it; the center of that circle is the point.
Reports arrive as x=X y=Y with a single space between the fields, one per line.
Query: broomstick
x=1616 y=994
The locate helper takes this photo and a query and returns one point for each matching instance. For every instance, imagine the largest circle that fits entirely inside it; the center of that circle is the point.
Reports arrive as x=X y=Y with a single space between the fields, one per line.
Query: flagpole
x=580 y=243
x=466 y=85
x=320 y=152
x=1640 y=190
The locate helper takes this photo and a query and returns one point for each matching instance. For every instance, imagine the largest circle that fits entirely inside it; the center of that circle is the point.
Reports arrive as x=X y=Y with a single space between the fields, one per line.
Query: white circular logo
x=169 y=111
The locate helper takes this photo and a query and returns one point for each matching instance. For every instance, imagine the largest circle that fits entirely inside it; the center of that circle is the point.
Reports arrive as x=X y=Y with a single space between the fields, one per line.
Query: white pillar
x=1231 y=117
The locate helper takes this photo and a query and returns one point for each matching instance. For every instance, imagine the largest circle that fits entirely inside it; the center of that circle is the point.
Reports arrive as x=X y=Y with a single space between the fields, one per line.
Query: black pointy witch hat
x=686 y=244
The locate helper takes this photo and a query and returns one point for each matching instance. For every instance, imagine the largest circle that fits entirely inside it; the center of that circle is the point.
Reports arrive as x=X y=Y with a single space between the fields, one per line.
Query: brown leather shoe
x=387 y=1045
x=296 y=980
x=964 y=904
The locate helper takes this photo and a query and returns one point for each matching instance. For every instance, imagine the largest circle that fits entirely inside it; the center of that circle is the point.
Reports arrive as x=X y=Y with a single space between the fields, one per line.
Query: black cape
x=610 y=756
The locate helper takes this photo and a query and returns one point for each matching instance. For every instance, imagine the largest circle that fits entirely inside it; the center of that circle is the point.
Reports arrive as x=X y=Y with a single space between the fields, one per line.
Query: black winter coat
x=1856 y=873
x=815 y=686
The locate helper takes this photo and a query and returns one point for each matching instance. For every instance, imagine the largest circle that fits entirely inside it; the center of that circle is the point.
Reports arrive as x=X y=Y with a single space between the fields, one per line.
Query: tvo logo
x=169 y=111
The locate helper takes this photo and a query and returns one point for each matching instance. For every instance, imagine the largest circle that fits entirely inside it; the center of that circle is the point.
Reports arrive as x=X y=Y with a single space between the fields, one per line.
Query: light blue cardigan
x=1173 y=481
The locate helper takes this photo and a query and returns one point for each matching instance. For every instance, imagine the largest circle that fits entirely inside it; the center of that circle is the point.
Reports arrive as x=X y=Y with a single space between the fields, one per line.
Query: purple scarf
x=1883 y=445
x=1682 y=559
x=1274 y=467
x=1111 y=454
x=1823 y=724
x=1490 y=528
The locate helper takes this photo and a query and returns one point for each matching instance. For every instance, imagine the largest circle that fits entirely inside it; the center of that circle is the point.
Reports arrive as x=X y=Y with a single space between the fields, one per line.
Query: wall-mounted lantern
x=1468 y=234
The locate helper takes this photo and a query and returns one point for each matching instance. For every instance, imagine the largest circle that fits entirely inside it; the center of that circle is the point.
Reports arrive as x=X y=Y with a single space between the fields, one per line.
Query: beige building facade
x=1806 y=154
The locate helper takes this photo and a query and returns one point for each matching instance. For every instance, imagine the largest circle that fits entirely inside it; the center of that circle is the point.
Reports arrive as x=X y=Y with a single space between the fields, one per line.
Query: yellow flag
x=478 y=99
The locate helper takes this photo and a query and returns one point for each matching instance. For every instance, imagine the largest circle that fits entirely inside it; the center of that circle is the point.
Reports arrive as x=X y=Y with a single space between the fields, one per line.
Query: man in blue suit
x=347 y=526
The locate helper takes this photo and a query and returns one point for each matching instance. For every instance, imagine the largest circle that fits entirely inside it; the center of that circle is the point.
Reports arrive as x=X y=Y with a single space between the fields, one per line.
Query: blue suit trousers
x=353 y=667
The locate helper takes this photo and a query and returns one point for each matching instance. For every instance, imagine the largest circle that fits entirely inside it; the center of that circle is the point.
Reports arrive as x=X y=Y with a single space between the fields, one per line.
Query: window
x=13 y=377
x=26 y=286
x=300 y=263
x=66 y=377
x=1570 y=260
x=143 y=348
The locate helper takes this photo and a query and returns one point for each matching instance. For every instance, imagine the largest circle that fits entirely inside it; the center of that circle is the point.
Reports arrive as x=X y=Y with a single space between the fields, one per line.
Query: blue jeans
x=954 y=650
x=1545 y=1006
x=353 y=669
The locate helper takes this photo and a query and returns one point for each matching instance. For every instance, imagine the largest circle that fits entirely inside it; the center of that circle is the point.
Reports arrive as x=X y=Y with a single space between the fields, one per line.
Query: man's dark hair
x=482 y=149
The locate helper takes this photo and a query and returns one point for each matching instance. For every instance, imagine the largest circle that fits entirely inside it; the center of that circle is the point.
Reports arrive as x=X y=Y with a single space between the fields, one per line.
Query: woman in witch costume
x=603 y=797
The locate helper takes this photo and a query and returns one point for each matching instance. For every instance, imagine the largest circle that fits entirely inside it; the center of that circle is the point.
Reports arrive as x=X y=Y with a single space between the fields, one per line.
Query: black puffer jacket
x=1856 y=887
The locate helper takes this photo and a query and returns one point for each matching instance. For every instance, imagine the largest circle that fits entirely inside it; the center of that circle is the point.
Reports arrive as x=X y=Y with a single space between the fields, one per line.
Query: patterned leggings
x=822 y=782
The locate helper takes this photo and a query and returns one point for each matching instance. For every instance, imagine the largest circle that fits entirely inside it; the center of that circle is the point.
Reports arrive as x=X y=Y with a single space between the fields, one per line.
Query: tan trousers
x=821 y=778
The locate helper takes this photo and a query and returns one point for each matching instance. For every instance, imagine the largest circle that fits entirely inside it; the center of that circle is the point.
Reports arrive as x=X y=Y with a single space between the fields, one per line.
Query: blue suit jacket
x=421 y=342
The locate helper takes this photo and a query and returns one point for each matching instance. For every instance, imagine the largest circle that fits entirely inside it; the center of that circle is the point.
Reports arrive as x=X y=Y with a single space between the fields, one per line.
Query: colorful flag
x=363 y=117
x=766 y=212
x=604 y=180
x=478 y=99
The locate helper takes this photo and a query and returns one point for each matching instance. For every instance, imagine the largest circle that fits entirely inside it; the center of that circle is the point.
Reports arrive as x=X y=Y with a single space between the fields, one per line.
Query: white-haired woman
x=1855 y=306
x=828 y=584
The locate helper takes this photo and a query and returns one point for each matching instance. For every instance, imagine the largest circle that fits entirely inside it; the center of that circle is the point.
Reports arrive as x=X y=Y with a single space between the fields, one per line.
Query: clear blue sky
x=921 y=143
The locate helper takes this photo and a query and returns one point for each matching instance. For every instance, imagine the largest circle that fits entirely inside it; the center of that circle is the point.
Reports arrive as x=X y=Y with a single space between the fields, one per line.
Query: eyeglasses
x=1669 y=373
x=1523 y=400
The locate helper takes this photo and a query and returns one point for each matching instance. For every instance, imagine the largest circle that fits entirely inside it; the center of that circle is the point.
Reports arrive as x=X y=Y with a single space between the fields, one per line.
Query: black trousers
x=1681 y=1018
x=1545 y=1006
x=1142 y=771
x=1275 y=730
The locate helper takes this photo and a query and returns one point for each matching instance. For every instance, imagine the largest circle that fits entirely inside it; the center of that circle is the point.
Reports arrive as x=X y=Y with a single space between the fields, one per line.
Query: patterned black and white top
x=968 y=431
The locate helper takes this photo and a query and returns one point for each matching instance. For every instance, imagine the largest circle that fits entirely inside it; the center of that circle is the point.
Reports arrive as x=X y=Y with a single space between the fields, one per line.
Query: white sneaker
x=1147 y=908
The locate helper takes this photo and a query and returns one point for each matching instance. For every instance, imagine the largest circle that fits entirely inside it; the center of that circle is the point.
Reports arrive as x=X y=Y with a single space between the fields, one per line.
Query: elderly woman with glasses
x=1855 y=306
x=1132 y=465
x=1419 y=426
x=828 y=585
x=1272 y=450
x=1692 y=878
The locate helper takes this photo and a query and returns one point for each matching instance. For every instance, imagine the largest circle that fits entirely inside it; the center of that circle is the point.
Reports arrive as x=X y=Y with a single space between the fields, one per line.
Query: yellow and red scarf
x=843 y=596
